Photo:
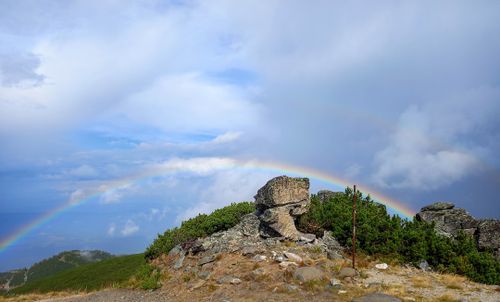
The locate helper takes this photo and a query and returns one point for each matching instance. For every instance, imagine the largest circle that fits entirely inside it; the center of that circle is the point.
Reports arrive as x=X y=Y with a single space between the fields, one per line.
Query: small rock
x=305 y=274
x=307 y=237
x=376 y=297
x=382 y=266
x=293 y=257
x=279 y=259
x=342 y=292
x=286 y=264
x=197 y=284
x=347 y=272
x=333 y=255
x=203 y=274
x=175 y=250
x=439 y=206
x=424 y=265
x=258 y=272
x=228 y=280
x=207 y=259
x=259 y=258
x=335 y=283
x=291 y=288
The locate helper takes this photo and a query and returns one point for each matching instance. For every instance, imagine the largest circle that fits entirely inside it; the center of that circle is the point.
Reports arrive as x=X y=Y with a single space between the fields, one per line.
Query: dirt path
x=110 y=295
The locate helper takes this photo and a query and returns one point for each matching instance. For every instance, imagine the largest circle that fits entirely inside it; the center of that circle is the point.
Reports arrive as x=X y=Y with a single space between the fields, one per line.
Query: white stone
x=382 y=266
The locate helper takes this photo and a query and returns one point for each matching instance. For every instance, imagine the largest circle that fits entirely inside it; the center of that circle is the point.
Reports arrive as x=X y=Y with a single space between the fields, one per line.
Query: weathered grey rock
x=251 y=250
x=488 y=234
x=330 y=242
x=204 y=274
x=308 y=238
x=438 y=206
x=305 y=274
x=228 y=280
x=335 y=283
x=376 y=297
x=291 y=288
x=279 y=222
x=282 y=190
x=448 y=221
x=424 y=265
x=325 y=195
x=176 y=250
x=293 y=257
x=178 y=263
x=249 y=225
x=347 y=272
x=207 y=259
x=258 y=272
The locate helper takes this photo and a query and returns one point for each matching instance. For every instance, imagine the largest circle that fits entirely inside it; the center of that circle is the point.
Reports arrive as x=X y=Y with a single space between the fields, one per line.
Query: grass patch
x=94 y=276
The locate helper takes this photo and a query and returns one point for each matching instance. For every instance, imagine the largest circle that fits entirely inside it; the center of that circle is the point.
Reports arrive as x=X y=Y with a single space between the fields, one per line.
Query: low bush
x=200 y=226
x=410 y=241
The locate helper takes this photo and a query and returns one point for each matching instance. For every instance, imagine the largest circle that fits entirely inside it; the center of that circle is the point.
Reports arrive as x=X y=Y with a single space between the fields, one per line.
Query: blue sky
x=403 y=97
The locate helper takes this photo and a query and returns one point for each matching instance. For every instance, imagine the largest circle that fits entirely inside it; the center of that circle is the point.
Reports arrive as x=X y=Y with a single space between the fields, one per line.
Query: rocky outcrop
x=450 y=221
x=325 y=195
x=279 y=202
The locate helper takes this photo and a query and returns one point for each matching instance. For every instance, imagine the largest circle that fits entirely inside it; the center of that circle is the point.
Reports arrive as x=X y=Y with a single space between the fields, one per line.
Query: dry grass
x=447 y=298
x=421 y=282
x=453 y=281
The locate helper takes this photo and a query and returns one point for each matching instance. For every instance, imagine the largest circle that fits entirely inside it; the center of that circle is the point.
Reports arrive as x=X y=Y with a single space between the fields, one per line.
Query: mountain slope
x=50 y=266
x=91 y=276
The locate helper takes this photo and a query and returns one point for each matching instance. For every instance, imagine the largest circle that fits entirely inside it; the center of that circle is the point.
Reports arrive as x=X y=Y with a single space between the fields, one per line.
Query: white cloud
x=115 y=194
x=85 y=171
x=129 y=228
x=111 y=229
x=426 y=153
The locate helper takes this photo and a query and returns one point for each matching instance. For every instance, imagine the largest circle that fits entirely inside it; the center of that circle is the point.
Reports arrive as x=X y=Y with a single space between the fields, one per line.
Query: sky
x=134 y=116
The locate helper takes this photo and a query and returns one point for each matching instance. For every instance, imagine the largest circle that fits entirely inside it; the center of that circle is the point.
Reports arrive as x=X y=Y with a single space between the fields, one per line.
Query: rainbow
x=199 y=166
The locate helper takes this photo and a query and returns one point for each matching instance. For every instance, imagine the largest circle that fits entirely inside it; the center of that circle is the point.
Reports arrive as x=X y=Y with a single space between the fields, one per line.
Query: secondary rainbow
x=193 y=165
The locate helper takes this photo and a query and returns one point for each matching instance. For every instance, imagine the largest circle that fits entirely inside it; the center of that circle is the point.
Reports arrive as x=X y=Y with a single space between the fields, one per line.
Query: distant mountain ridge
x=50 y=266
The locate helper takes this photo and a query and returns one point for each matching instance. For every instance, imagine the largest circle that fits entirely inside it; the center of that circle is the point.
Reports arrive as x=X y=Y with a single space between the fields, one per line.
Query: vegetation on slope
x=64 y=261
x=93 y=276
x=379 y=233
x=200 y=226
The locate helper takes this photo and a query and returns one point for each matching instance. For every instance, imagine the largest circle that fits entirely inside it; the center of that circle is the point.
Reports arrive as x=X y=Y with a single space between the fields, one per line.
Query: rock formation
x=279 y=203
x=449 y=221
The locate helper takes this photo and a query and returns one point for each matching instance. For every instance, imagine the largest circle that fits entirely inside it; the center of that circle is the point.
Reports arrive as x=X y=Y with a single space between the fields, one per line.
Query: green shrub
x=200 y=226
x=379 y=233
x=148 y=277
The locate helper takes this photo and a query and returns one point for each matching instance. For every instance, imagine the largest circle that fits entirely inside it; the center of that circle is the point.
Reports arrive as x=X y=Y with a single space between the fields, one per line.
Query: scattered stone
x=286 y=264
x=330 y=241
x=342 y=292
x=335 y=283
x=197 y=284
x=293 y=257
x=228 y=280
x=259 y=272
x=291 y=288
x=204 y=274
x=259 y=258
x=376 y=297
x=308 y=238
x=305 y=274
x=333 y=255
x=279 y=258
x=207 y=259
x=382 y=266
x=347 y=272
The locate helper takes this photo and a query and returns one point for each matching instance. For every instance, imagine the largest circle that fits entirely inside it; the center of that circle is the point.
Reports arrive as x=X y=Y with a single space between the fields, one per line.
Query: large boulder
x=449 y=221
x=282 y=190
x=279 y=202
x=325 y=195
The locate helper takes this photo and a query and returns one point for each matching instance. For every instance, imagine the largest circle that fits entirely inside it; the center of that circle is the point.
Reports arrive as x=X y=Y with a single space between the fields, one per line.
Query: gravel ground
x=110 y=295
